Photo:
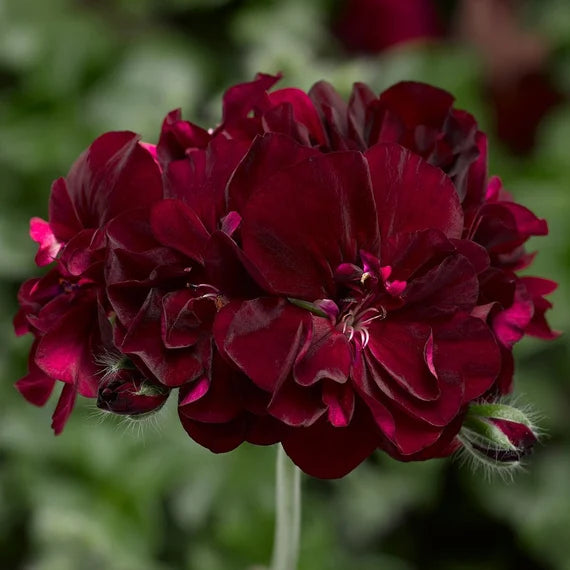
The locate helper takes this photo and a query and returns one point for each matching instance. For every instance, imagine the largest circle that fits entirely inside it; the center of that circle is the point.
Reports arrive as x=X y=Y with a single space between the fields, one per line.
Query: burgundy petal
x=358 y=114
x=172 y=367
x=402 y=349
x=296 y=405
x=215 y=397
x=412 y=195
x=228 y=269
x=435 y=413
x=180 y=323
x=200 y=179
x=306 y=220
x=537 y=287
x=364 y=385
x=65 y=352
x=64 y=220
x=340 y=402
x=475 y=253
x=240 y=99
x=176 y=225
x=326 y=354
x=476 y=181
x=329 y=452
x=403 y=97
x=63 y=408
x=506 y=225
x=304 y=111
x=264 y=430
x=218 y=438
x=449 y=287
x=445 y=444
x=177 y=136
x=509 y=324
x=334 y=115
x=411 y=254
x=268 y=155
x=113 y=175
x=36 y=386
x=412 y=436
x=262 y=337
x=466 y=354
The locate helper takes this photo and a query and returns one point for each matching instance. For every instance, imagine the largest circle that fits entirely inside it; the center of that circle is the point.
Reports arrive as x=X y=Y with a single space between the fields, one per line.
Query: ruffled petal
x=329 y=452
x=410 y=194
x=49 y=246
x=306 y=220
x=176 y=225
x=113 y=175
x=261 y=337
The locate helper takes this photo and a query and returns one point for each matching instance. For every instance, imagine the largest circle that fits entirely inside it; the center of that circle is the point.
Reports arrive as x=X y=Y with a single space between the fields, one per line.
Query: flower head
x=66 y=309
x=338 y=277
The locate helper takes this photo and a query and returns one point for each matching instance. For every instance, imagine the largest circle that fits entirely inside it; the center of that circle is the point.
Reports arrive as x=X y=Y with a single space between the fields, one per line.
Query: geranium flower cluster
x=338 y=277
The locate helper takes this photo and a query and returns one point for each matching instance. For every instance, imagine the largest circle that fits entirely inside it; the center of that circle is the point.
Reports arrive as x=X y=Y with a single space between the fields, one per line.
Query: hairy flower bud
x=497 y=434
x=127 y=393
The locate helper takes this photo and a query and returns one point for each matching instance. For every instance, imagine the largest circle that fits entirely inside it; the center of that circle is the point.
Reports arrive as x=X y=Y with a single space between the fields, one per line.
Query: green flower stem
x=288 y=514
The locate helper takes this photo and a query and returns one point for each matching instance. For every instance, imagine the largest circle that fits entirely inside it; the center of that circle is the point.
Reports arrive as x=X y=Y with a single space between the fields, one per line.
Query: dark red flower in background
x=371 y=26
x=336 y=276
x=516 y=61
x=516 y=84
x=519 y=106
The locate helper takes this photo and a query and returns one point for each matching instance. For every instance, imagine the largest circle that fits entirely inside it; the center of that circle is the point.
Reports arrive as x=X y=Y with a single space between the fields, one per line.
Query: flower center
x=355 y=323
x=205 y=291
x=367 y=295
x=67 y=286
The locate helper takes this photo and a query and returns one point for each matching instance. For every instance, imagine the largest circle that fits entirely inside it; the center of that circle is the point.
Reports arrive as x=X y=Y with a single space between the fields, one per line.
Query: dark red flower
x=65 y=310
x=371 y=26
x=515 y=59
x=417 y=116
x=520 y=105
x=422 y=119
x=369 y=291
x=169 y=271
x=335 y=276
x=517 y=83
x=514 y=305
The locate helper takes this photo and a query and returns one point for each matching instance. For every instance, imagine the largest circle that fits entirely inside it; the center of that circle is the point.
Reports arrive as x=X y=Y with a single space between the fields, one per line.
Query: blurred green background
x=110 y=495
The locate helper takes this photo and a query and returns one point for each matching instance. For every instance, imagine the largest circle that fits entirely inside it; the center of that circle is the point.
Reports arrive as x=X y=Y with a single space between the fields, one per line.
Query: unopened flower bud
x=497 y=434
x=127 y=393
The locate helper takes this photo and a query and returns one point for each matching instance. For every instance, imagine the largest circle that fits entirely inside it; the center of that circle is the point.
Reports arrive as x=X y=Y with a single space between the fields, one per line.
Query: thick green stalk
x=287 y=514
